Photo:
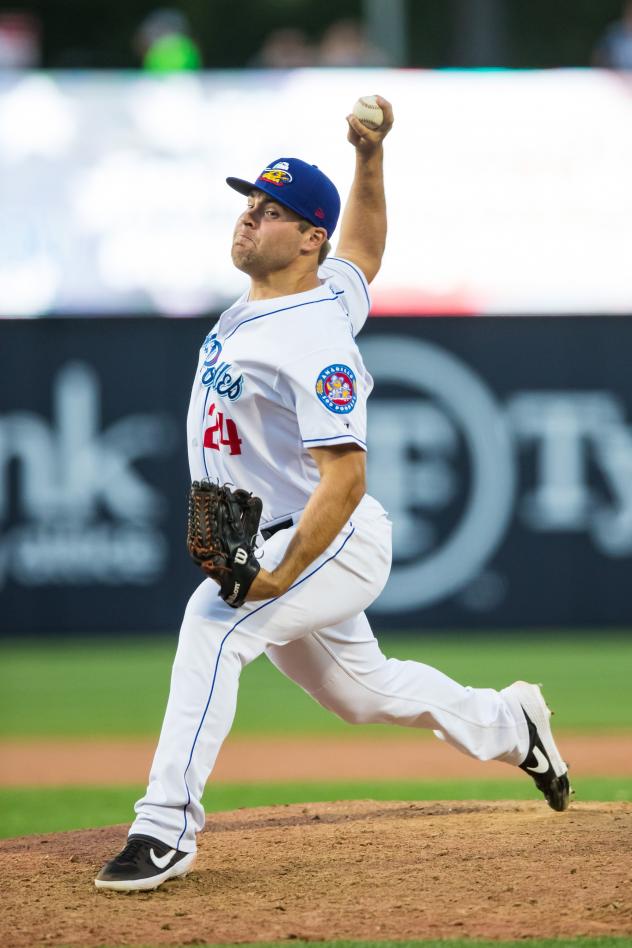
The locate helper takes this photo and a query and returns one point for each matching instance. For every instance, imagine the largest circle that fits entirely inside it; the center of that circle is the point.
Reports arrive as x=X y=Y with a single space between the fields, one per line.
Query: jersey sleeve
x=328 y=391
x=349 y=284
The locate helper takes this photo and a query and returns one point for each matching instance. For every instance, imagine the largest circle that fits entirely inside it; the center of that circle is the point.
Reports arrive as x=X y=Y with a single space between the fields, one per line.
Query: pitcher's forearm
x=363 y=228
x=326 y=513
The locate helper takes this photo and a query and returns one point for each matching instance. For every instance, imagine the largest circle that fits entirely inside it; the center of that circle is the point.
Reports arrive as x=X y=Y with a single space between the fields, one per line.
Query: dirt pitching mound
x=353 y=870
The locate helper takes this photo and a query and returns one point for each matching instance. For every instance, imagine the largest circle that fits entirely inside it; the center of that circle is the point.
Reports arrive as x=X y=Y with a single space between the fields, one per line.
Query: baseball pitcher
x=292 y=548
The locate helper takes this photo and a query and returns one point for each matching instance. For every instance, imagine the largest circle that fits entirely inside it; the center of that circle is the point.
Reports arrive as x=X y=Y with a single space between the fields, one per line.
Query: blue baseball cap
x=301 y=187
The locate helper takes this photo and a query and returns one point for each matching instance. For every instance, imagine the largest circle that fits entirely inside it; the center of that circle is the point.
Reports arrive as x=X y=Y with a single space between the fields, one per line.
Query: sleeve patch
x=337 y=389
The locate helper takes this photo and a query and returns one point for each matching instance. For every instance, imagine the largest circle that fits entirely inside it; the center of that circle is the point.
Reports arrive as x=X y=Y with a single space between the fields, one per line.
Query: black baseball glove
x=221 y=530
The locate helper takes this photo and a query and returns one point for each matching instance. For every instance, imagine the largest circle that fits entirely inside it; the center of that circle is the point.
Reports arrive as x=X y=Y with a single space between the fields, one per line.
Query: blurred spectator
x=614 y=49
x=19 y=41
x=285 y=49
x=345 y=43
x=165 y=44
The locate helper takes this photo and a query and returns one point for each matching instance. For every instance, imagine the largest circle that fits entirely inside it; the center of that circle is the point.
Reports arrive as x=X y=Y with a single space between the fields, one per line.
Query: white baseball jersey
x=276 y=377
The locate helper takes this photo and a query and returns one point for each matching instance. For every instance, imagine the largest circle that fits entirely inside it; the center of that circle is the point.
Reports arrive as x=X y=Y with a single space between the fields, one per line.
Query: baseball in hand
x=368 y=111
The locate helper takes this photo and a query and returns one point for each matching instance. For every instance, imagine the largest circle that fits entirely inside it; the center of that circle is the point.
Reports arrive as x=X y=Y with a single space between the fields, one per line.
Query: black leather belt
x=270 y=531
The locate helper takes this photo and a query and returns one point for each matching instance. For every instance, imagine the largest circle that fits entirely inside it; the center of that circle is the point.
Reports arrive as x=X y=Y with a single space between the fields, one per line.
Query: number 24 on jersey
x=223 y=431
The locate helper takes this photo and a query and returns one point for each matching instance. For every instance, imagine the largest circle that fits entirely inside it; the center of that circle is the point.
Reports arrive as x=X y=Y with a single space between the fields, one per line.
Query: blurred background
x=500 y=438
x=426 y=34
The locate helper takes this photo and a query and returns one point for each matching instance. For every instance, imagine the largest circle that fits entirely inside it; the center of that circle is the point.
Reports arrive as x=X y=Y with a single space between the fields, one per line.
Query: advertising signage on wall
x=503 y=453
x=508 y=192
x=502 y=450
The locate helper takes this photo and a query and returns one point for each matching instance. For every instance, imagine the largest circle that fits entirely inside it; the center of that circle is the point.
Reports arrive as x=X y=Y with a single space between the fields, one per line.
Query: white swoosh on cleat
x=161 y=862
x=543 y=764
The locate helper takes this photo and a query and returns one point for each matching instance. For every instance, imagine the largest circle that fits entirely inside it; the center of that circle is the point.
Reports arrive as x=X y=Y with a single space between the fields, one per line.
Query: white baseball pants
x=317 y=635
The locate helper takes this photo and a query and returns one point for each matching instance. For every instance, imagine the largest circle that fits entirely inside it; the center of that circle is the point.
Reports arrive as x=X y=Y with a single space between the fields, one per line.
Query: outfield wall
x=501 y=448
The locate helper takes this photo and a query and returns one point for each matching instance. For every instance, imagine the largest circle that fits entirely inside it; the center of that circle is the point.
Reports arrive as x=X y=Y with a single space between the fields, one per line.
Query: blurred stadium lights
x=36 y=120
x=507 y=190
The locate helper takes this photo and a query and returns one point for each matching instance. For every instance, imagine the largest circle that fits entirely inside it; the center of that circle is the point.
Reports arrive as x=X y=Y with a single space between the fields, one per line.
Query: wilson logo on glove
x=221 y=530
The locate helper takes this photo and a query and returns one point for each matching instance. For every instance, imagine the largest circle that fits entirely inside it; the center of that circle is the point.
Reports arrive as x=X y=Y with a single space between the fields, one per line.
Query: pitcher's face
x=267 y=237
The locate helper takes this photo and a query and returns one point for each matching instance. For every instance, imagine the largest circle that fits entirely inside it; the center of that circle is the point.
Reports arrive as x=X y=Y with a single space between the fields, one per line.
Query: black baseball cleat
x=144 y=864
x=543 y=762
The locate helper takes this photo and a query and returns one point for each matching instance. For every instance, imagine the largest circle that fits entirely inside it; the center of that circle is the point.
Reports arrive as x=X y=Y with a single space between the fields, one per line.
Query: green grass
x=35 y=810
x=119 y=687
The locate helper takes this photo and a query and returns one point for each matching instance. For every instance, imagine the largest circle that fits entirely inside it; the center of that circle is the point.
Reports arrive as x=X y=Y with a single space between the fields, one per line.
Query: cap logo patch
x=278 y=174
x=319 y=213
x=336 y=388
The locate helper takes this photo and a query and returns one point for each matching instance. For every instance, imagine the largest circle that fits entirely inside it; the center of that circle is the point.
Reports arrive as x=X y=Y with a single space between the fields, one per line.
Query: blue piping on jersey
x=219 y=655
x=284 y=309
x=355 y=270
x=203 y=417
x=335 y=438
